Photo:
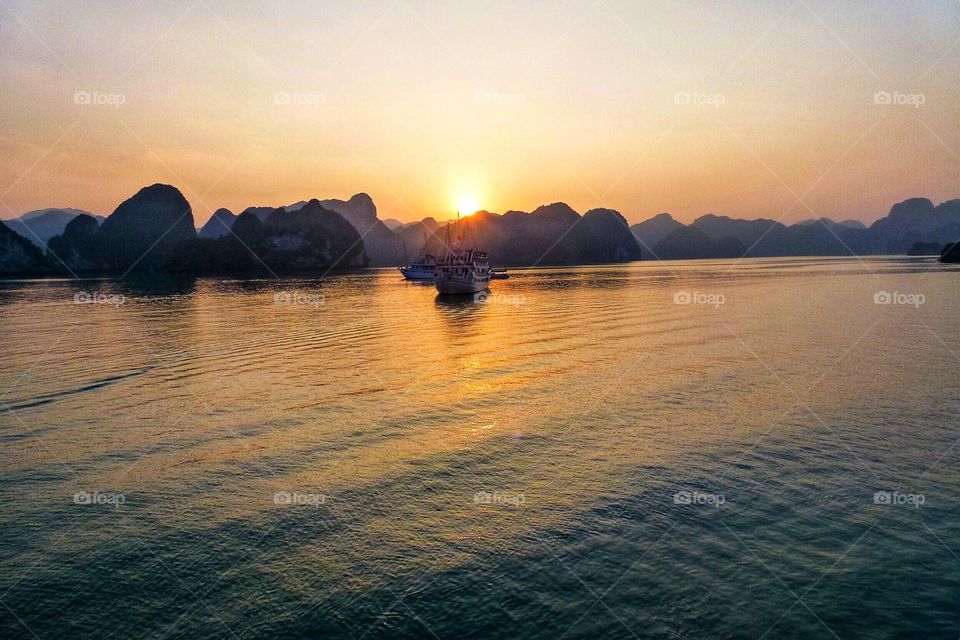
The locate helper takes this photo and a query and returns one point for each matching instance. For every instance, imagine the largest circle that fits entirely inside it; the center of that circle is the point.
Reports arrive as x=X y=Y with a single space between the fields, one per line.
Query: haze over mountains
x=154 y=231
x=41 y=225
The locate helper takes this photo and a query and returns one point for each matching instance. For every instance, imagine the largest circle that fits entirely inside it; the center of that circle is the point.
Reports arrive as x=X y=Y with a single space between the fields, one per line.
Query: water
x=582 y=404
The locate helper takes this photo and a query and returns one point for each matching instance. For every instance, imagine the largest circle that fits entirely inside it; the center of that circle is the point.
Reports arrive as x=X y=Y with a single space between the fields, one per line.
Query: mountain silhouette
x=550 y=235
x=916 y=220
x=650 y=232
x=143 y=232
x=153 y=231
x=909 y=222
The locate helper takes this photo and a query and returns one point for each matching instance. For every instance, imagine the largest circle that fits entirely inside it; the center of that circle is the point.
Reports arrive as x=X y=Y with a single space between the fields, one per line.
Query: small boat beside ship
x=423 y=268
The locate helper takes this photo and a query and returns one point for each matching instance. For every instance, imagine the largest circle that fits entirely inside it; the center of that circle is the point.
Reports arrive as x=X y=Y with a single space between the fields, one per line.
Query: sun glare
x=467 y=204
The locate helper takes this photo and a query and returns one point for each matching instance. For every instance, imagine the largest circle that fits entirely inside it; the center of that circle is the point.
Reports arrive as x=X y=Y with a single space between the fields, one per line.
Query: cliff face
x=18 y=255
x=951 y=253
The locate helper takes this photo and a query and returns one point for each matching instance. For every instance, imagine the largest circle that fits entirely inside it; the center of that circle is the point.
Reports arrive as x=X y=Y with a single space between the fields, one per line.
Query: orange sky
x=692 y=107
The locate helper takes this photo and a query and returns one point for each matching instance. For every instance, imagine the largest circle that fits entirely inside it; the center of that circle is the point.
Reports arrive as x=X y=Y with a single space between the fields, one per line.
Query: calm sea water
x=582 y=455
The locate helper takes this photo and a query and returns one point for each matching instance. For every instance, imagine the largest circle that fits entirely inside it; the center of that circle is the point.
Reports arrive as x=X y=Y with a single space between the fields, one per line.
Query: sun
x=467 y=204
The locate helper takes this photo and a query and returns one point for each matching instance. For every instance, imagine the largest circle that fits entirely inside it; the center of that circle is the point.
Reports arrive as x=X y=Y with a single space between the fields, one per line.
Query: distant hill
x=415 y=235
x=41 y=225
x=852 y=224
x=552 y=234
x=916 y=220
x=910 y=222
x=652 y=231
x=218 y=225
x=30 y=215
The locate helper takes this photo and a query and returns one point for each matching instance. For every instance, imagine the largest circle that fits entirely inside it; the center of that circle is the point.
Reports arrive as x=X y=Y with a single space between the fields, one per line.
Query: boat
x=499 y=274
x=464 y=271
x=423 y=268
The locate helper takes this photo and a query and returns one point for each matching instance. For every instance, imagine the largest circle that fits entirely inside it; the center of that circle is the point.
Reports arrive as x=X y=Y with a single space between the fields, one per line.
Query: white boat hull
x=461 y=286
x=418 y=274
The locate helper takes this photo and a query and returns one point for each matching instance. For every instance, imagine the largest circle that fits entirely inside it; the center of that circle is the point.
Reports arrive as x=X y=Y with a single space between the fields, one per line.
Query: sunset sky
x=736 y=108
